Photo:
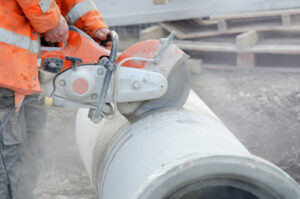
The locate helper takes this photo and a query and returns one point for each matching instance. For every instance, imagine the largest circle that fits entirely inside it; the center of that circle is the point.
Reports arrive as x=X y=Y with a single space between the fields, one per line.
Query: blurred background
x=244 y=64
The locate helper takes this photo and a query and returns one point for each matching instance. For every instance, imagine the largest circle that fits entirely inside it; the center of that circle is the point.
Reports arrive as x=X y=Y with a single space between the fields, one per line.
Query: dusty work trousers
x=22 y=146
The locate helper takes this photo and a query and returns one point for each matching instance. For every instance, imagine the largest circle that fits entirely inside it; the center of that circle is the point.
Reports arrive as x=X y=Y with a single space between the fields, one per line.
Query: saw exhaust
x=176 y=154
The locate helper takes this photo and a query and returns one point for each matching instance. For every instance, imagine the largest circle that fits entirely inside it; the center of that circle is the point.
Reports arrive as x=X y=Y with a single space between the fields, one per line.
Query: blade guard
x=166 y=58
x=150 y=49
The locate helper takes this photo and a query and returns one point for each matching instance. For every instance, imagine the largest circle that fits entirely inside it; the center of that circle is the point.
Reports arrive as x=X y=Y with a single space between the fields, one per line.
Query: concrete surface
x=260 y=107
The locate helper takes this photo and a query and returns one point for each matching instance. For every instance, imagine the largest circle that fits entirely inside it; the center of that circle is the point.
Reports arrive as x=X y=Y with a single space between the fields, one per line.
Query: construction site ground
x=261 y=108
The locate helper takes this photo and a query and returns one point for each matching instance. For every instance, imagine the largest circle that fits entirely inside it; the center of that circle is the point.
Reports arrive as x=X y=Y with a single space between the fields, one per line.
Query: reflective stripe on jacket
x=19 y=40
x=83 y=14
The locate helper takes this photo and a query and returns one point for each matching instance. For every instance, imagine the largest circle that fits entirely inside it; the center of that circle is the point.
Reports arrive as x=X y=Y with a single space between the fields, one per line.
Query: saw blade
x=176 y=95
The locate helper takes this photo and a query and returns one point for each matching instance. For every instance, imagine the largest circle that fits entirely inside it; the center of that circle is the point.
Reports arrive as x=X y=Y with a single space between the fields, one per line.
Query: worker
x=22 y=24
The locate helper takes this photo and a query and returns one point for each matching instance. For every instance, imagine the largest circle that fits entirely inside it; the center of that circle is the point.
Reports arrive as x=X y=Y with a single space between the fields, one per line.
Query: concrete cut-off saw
x=149 y=75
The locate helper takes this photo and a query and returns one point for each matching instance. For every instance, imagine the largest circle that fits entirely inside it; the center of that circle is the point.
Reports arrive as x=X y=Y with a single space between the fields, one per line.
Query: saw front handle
x=115 y=47
x=111 y=67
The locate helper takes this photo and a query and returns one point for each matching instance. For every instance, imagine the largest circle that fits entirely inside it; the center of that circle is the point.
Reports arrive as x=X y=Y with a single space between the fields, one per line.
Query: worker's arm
x=85 y=15
x=43 y=15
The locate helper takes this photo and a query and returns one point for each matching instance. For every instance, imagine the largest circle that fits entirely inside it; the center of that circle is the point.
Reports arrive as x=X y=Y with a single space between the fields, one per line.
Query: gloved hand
x=101 y=35
x=58 y=34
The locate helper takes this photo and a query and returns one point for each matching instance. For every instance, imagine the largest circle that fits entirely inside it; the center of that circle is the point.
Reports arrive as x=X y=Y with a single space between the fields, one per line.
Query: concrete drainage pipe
x=176 y=154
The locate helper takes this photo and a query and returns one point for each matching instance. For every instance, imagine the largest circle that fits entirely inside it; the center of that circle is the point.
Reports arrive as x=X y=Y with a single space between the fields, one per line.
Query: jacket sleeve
x=43 y=15
x=83 y=14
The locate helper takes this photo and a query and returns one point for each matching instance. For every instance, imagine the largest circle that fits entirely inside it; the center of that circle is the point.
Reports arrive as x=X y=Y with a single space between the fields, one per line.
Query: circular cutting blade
x=176 y=95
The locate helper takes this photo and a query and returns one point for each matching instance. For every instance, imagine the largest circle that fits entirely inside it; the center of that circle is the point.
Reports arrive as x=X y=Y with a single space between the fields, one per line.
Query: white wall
x=124 y=12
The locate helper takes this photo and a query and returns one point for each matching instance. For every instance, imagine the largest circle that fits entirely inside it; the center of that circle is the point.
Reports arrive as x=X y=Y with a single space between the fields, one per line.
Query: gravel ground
x=260 y=107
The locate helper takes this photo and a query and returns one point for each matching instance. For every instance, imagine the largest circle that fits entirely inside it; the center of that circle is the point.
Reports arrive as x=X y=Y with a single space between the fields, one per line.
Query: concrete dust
x=62 y=175
x=260 y=107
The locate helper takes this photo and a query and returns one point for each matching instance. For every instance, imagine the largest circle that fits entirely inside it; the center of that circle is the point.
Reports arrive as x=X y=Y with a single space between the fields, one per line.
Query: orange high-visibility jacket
x=21 y=21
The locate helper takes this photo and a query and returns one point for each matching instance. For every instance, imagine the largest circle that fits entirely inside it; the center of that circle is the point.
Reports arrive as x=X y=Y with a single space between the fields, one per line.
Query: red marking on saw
x=80 y=86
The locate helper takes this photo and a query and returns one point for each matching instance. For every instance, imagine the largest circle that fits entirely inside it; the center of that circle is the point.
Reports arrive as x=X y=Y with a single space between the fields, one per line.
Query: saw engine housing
x=85 y=74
